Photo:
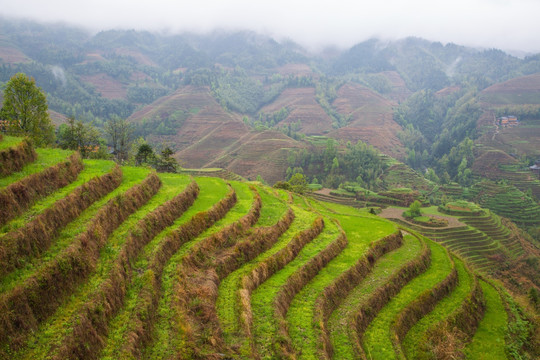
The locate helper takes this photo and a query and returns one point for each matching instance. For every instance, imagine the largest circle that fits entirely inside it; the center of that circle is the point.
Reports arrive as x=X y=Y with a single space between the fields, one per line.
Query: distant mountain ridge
x=190 y=90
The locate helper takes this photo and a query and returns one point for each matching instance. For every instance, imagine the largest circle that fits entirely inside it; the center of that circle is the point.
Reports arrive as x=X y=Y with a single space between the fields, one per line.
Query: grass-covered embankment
x=488 y=341
x=341 y=322
x=57 y=278
x=98 y=299
x=52 y=170
x=36 y=235
x=361 y=232
x=378 y=337
x=15 y=153
x=234 y=300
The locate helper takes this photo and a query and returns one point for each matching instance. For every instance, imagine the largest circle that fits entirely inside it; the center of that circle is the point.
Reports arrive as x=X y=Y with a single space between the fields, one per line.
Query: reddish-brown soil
x=57 y=118
x=92 y=57
x=107 y=86
x=212 y=137
x=303 y=108
x=295 y=70
x=11 y=55
x=488 y=163
x=371 y=119
x=521 y=90
x=447 y=91
x=525 y=83
x=135 y=54
x=400 y=92
x=261 y=153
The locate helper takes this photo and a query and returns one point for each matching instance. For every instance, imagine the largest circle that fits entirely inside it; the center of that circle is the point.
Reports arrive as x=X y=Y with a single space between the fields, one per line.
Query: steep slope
x=172 y=266
x=520 y=90
x=205 y=135
x=303 y=109
x=371 y=119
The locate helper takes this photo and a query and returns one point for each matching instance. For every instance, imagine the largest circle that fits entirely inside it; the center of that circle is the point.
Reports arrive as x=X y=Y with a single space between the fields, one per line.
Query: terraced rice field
x=483 y=240
x=110 y=262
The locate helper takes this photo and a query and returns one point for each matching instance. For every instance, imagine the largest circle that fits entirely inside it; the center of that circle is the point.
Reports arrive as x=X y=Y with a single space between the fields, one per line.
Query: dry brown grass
x=14 y=159
x=385 y=293
x=267 y=268
x=37 y=235
x=20 y=195
x=91 y=322
x=336 y=292
x=447 y=340
x=200 y=277
x=294 y=284
x=421 y=306
x=144 y=315
x=30 y=302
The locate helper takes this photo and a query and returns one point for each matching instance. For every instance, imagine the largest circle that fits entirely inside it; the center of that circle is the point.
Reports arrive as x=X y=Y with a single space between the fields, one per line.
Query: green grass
x=212 y=191
x=265 y=325
x=92 y=168
x=377 y=340
x=46 y=158
x=339 y=326
x=361 y=231
x=132 y=176
x=488 y=341
x=9 y=142
x=227 y=302
x=52 y=332
x=273 y=207
x=442 y=310
x=329 y=207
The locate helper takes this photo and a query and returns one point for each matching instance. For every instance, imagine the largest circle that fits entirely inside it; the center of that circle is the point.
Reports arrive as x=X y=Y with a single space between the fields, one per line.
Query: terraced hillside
x=116 y=262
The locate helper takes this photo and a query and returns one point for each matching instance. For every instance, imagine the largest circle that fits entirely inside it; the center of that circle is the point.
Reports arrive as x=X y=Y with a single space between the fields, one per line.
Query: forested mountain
x=420 y=102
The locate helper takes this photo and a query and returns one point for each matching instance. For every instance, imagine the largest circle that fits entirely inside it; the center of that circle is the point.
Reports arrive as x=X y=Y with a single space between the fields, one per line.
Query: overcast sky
x=504 y=24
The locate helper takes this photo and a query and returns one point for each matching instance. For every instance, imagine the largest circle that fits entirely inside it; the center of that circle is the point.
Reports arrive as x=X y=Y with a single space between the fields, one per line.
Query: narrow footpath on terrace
x=397 y=213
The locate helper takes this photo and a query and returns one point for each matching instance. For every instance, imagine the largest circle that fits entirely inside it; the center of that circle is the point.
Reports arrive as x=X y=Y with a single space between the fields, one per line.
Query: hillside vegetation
x=128 y=263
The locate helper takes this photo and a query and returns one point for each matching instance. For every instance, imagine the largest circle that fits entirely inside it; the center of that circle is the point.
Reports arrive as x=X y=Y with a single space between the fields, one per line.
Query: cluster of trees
x=237 y=91
x=68 y=95
x=296 y=183
x=325 y=94
x=333 y=165
x=168 y=125
x=438 y=133
x=162 y=162
x=24 y=112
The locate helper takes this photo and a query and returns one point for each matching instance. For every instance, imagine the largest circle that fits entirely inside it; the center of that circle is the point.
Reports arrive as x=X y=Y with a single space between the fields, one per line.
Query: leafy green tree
x=85 y=138
x=260 y=179
x=25 y=108
x=165 y=162
x=145 y=155
x=298 y=183
x=414 y=209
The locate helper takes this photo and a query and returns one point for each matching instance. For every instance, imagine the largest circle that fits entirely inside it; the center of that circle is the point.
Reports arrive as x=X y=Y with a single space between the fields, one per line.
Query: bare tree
x=119 y=132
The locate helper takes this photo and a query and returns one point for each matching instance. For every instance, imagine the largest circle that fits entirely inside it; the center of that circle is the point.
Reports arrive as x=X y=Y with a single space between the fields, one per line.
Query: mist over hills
x=166 y=84
x=387 y=127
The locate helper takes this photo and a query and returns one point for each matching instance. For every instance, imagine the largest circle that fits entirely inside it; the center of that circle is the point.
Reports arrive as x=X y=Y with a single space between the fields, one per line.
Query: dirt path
x=395 y=213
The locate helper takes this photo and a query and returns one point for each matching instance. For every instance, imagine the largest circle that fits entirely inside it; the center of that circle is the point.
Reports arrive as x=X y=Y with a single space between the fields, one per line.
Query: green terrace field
x=101 y=261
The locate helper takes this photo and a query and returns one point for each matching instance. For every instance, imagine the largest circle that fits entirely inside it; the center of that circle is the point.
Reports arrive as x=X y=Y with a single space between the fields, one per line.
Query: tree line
x=24 y=112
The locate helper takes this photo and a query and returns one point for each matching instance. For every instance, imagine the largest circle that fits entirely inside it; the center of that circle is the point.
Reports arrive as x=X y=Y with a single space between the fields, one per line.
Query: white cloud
x=488 y=23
